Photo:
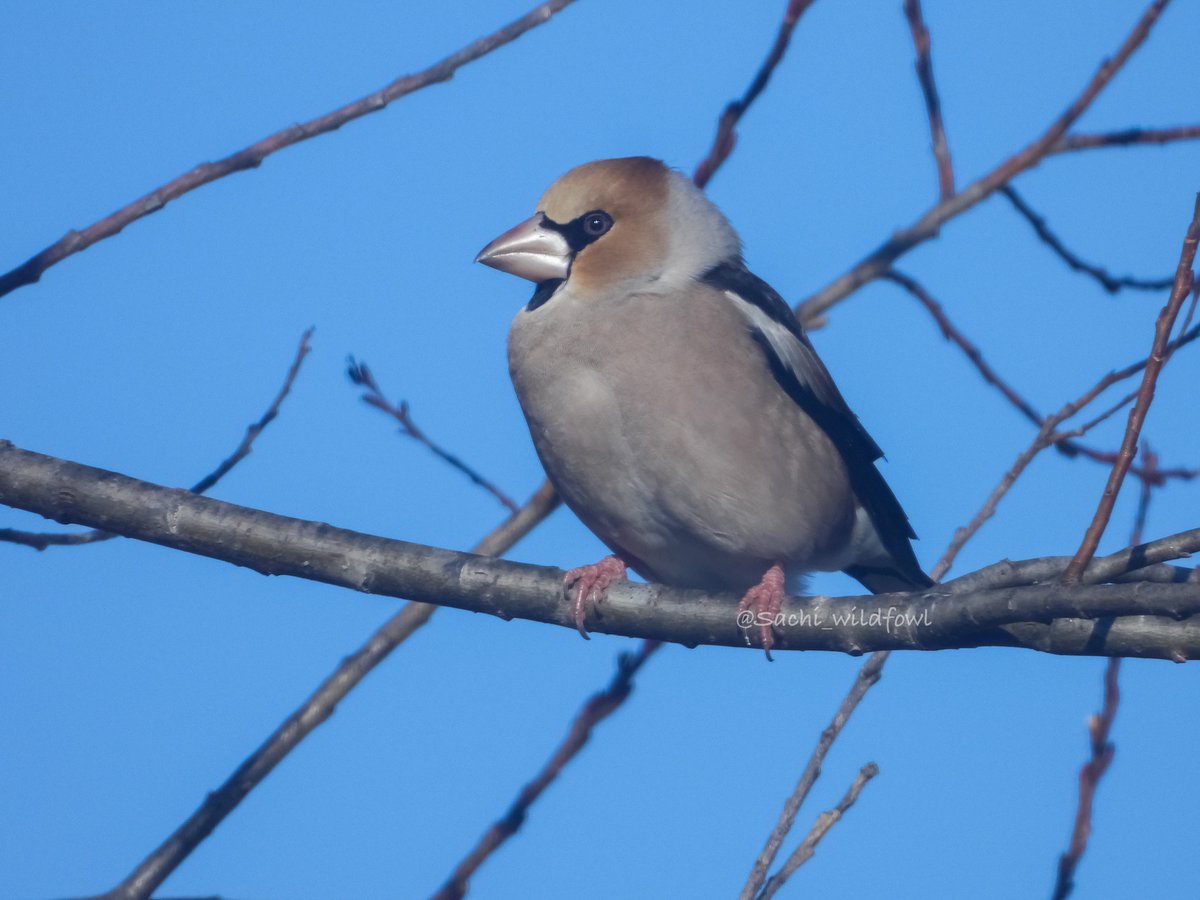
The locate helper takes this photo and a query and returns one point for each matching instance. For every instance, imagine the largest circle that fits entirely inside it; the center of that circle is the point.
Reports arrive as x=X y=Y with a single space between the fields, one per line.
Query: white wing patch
x=794 y=353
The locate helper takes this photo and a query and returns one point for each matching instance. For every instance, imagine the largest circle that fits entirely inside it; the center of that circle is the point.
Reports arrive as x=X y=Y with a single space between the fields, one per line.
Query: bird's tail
x=881 y=580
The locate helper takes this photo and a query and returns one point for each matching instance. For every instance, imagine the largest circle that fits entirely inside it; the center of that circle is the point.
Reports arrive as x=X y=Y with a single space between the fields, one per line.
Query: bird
x=678 y=405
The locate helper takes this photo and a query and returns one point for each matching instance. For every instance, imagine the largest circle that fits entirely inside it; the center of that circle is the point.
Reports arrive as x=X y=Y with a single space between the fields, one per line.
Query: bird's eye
x=596 y=223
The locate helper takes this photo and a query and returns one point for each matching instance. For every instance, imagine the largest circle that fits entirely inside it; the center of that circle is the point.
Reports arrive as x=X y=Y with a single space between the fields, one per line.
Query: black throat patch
x=543 y=292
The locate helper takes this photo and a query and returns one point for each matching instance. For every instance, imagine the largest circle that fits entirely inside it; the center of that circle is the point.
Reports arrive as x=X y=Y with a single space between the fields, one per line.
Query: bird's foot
x=589 y=584
x=763 y=602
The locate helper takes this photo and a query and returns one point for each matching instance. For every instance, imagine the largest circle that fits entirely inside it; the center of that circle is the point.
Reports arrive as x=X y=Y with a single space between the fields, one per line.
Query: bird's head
x=630 y=221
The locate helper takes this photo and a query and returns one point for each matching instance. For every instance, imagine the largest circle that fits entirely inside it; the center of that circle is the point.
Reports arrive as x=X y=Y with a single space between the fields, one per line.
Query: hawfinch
x=677 y=404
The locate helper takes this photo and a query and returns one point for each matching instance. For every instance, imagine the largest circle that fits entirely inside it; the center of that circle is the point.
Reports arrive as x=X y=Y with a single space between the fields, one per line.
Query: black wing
x=799 y=371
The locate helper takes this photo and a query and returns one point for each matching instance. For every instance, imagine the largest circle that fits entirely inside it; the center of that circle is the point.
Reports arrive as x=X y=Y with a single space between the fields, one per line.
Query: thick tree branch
x=277 y=545
x=251 y=157
x=929 y=224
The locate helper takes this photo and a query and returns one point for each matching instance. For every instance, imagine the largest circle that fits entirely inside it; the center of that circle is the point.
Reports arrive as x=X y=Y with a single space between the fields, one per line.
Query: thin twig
x=40 y=540
x=1137 y=416
x=362 y=376
x=251 y=157
x=824 y=823
x=955 y=336
x=1157 y=476
x=867 y=676
x=153 y=870
x=1065 y=444
x=1100 y=726
x=1111 y=283
x=1046 y=437
x=726 y=137
x=1093 y=770
x=929 y=224
x=597 y=708
x=933 y=106
x=1143 y=136
x=1150 y=464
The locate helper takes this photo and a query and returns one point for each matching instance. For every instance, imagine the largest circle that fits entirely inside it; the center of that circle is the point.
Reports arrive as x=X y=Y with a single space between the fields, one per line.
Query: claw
x=765 y=600
x=590 y=583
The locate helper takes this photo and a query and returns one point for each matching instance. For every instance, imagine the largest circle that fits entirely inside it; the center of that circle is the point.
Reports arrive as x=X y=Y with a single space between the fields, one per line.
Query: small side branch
x=726 y=138
x=1128 y=137
x=40 y=540
x=362 y=376
x=597 y=708
x=1099 y=727
x=868 y=675
x=933 y=105
x=952 y=333
x=825 y=822
x=1111 y=283
x=1160 y=351
x=1063 y=443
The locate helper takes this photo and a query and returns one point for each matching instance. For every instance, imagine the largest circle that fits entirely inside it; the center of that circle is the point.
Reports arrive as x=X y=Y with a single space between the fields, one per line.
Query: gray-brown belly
x=665 y=433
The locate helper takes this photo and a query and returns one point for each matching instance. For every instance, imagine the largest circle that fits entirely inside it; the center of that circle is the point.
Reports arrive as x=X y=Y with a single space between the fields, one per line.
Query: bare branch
x=597 y=708
x=1141 y=562
x=867 y=676
x=1130 y=136
x=40 y=540
x=1149 y=464
x=921 y=620
x=929 y=224
x=1110 y=283
x=1099 y=727
x=362 y=376
x=726 y=137
x=933 y=106
x=319 y=706
x=825 y=822
x=1061 y=442
x=1047 y=436
x=251 y=157
x=951 y=333
x=1159 y=353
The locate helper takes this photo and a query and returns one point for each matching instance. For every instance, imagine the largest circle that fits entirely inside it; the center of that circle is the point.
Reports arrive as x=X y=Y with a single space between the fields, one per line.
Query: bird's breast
x=661 y=426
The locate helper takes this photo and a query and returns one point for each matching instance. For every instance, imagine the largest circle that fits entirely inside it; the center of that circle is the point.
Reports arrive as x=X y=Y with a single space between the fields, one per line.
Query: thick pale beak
x=531 y=250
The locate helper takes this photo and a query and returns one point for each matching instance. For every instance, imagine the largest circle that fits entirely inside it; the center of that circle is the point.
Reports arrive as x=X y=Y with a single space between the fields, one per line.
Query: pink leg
x=590 y=584
x=765 y=600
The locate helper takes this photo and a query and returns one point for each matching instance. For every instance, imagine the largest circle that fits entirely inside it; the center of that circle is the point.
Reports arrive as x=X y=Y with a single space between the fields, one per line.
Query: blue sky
x=134 y=678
